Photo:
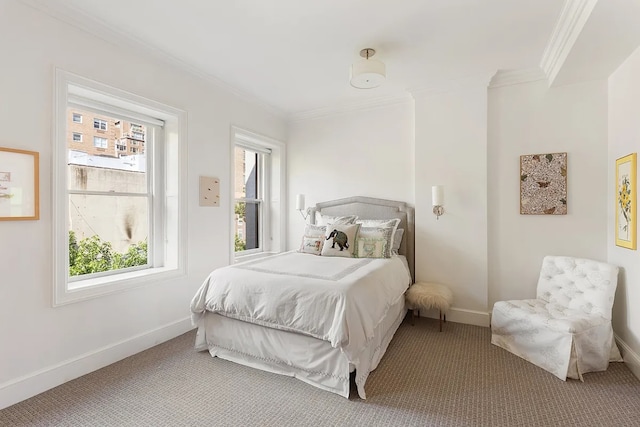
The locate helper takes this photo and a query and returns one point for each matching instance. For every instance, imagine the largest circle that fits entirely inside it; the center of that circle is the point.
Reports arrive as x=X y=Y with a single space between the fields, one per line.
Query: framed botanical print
x=626 y=201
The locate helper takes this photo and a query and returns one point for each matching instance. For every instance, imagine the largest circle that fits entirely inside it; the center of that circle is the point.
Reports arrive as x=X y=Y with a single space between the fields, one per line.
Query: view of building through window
x=248 y=200
x=109 y=195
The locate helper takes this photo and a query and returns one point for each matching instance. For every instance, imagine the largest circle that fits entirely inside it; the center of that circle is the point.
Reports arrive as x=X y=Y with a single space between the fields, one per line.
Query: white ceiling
x=294 y=55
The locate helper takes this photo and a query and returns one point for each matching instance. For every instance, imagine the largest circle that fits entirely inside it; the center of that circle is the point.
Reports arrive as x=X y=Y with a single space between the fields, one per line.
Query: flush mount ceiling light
x=367 y=73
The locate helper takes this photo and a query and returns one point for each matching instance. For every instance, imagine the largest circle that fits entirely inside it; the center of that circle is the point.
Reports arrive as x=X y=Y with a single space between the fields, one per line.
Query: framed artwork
x=543 y=184
x=626 y=201
x=19 y=185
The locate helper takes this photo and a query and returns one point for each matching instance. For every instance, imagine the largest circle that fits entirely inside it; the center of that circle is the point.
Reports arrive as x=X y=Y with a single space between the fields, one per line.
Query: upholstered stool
x=425 y=295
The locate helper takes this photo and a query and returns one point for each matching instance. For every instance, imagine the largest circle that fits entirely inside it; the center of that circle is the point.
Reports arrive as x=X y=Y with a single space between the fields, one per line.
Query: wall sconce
x=300 y=206
x=437 y=200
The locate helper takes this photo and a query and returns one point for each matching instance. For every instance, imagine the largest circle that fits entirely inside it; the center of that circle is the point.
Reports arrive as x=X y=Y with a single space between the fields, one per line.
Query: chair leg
x=440 y=320
x=412 y=313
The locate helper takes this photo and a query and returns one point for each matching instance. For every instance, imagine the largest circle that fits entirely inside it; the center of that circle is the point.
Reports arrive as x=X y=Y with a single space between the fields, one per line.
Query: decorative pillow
x=382 y=223
x=312 y=245
x=315 y=230
x=371 y=247
x=397 y=240
x=313 y=236
x=340 y=240
x=371 y=234
x=322 y=219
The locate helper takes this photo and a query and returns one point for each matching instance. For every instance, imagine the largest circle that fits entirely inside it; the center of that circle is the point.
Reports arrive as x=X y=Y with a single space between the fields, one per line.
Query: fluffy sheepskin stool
x=423 y=296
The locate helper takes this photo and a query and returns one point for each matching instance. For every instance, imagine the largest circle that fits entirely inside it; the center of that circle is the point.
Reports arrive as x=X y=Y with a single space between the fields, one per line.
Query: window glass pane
x=106 y=162
x=107 y=233
x=247 y=231
x=246 y=171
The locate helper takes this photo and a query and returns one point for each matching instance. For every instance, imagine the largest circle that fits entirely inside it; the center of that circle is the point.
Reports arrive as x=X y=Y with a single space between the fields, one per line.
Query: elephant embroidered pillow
x=340 y=240
x=376 y=242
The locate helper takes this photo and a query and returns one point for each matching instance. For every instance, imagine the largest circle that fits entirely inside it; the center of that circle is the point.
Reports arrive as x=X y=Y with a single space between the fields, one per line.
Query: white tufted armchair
x=567 y=328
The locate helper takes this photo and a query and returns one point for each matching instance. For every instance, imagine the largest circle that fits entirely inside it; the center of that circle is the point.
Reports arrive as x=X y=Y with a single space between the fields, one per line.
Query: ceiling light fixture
x=367 y=73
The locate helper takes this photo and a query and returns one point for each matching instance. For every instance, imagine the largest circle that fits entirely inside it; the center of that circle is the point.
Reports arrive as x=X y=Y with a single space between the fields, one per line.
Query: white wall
x=532 y=118
x=364 y=153
x=450 y=150
x=624 y=138
x=44 y=346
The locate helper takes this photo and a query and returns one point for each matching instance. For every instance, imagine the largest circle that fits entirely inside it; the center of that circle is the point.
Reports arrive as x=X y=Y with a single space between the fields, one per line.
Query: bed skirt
x=309 y=359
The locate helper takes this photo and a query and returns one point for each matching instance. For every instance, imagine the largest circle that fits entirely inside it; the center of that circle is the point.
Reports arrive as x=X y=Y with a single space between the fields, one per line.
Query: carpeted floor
x=427 y=378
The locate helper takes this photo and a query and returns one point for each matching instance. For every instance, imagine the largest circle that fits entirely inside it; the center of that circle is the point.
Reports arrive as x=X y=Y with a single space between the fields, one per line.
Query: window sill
x=91 y=288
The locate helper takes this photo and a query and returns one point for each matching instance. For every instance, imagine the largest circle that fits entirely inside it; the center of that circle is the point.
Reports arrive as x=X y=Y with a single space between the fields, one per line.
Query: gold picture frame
x=19 y=184
x=626 y=201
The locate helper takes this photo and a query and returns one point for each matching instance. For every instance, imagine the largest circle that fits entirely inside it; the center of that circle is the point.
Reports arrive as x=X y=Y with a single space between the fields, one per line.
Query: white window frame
x=168 y=259
x=272 y=234
x=100 y=123
x=73 y=137
x=73 y=117
x=97 y=139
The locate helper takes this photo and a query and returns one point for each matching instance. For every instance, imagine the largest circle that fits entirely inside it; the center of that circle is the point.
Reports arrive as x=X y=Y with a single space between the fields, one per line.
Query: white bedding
x=335 y=299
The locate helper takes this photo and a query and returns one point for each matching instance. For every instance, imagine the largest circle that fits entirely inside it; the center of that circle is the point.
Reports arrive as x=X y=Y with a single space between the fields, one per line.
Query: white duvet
x=340 y=300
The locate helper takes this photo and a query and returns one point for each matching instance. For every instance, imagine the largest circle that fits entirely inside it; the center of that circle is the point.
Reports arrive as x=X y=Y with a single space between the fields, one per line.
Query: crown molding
x=479 y=79
x=573 y=17
x=351 y=107
x=84 y=22
x=515 y=77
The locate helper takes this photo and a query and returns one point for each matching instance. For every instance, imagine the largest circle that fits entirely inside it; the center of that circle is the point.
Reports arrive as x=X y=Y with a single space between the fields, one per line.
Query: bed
x=326 y=320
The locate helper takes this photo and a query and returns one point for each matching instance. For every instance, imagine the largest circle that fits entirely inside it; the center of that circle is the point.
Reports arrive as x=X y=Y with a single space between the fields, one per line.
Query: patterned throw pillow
x=340 y=240
x=371 y=247
x=312 y=239
x=381 y=223
x=312 y=245
x=369 y=235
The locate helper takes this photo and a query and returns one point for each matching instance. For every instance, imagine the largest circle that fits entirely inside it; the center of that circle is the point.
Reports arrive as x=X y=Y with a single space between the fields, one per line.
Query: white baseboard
x=461 y=315
x=629 y=356
x=21 y=388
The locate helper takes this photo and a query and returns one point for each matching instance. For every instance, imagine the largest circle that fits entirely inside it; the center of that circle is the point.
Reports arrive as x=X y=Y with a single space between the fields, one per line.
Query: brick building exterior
x=101 y=135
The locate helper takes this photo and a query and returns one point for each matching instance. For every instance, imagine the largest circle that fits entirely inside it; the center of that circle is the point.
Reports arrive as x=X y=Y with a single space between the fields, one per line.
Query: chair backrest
x=578 y=283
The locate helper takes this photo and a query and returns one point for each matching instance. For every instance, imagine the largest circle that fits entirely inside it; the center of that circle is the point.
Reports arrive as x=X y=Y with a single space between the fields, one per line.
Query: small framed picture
x=19 y=185
x=626 y=201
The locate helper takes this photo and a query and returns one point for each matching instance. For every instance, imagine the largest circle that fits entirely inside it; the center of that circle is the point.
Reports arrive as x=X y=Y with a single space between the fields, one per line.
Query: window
x=134 y=150
x=250 y=193
x=116 y=217
x=99 y=142
x=77 y=118
x=258 y=165
x=99 y=124
x=137 y=135
x=77 y=137
x=121 y=147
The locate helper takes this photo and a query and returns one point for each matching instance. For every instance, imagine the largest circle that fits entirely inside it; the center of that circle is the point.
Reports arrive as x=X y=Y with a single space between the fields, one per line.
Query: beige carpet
x=427 y=378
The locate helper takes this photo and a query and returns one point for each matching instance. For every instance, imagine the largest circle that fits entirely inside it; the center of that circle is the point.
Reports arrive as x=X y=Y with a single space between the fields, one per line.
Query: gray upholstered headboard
x=371 y=208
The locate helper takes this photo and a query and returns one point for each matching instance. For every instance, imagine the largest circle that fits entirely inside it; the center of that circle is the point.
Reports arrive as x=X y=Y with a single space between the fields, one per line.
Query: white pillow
x=381 y=237
x=322 y=219
x=340 y=240
x=397 y=240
